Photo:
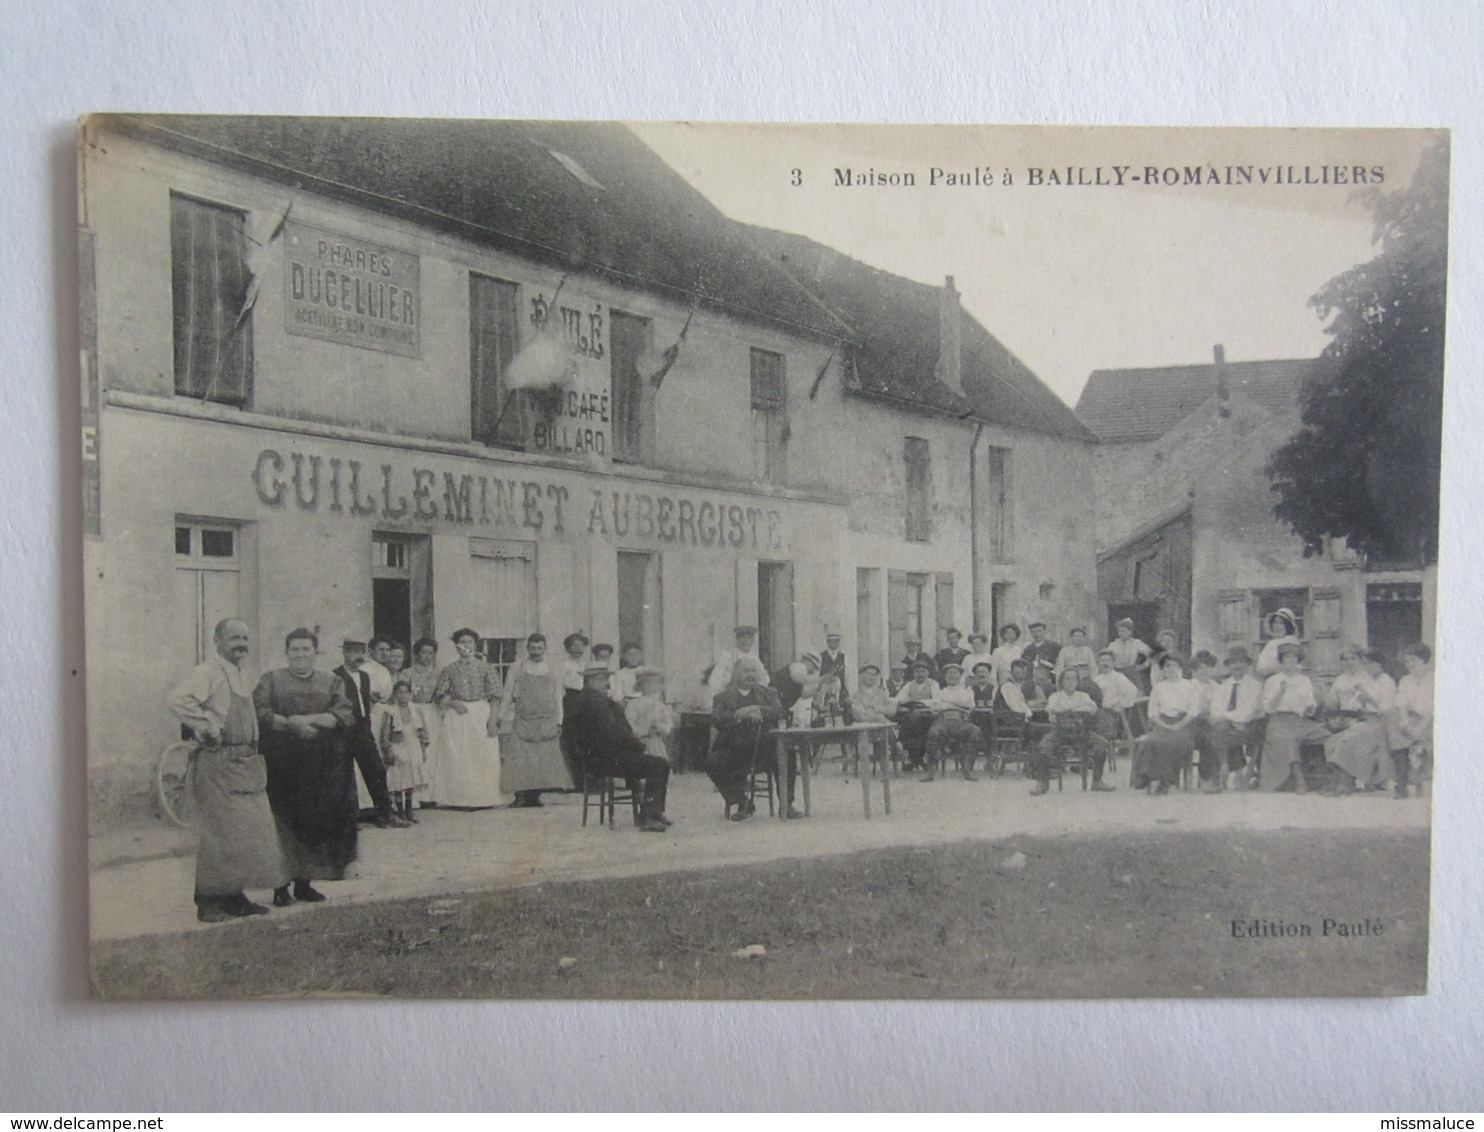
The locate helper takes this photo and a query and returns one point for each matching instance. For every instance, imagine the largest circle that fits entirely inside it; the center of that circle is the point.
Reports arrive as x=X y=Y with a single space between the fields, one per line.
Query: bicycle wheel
x=174 y=770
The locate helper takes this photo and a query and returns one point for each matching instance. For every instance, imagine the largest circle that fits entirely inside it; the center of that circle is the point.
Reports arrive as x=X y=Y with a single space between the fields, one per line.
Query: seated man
x=951 y=732
x=872 y=704
x=742 y=715
x=914 y=714
x=1073 y=714
x=1234 y=719
x=603 y=743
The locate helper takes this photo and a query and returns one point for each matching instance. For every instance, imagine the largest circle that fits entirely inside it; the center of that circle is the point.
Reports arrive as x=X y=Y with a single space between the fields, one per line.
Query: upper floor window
x=769 y=416
x=633 y=398
x=494 y=337
x=210 y=286
x=919 y=482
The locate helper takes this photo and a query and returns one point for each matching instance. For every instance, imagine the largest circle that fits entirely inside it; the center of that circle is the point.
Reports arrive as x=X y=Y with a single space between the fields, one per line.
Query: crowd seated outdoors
x=275 y=781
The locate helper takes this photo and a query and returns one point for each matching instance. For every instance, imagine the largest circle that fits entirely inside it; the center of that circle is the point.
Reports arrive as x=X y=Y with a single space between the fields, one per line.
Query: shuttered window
x=769 y=415
x=1324 y=614
x=1232 y=620
x=494 y=338
x=633 y=401
x=209 y=285
x=919 y=482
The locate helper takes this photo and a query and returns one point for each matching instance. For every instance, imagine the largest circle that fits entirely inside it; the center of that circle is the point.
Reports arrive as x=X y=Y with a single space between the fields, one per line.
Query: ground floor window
x=775 y=613
x=207 y=583
x=639 y=604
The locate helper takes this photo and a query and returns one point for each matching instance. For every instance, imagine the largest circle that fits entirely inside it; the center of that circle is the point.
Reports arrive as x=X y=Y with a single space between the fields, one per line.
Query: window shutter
x=1232 y=617
x=210 y=283
x=1324 y=613
x=896 y=613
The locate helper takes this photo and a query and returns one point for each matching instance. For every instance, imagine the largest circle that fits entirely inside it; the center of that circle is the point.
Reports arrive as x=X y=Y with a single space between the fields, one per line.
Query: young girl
x=649 y=715
x=403 y=740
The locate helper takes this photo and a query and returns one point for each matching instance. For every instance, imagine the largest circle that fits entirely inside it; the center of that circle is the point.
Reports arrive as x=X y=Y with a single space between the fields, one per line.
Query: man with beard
x=304 y=717
x=742 y=715
x=237 y=841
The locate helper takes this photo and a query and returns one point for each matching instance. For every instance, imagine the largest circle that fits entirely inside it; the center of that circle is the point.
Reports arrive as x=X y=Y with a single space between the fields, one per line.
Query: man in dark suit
x=360 y=738
x=603 y=743
x=1041 y=650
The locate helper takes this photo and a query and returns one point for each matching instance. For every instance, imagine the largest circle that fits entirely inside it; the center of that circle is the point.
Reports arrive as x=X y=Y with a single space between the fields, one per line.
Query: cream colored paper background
x=1359 y=63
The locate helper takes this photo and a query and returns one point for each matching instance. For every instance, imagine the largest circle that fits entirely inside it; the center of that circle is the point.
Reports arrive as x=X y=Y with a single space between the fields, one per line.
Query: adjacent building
x=1186 y=535
x=297 y=336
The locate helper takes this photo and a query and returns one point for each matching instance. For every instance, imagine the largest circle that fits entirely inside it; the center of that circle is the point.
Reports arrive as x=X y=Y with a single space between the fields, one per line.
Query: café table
x=844 y=734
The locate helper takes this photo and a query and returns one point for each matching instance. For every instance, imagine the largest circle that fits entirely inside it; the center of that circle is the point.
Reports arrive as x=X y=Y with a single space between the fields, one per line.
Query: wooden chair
x=602 y=790
x=762 y=774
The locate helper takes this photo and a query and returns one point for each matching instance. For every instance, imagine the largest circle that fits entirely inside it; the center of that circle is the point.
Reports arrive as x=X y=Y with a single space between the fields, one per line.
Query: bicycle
x=175 y=769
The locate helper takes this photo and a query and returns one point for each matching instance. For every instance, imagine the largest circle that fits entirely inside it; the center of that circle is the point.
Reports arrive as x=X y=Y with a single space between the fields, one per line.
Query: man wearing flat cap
x=719 y=676
x=603 y=743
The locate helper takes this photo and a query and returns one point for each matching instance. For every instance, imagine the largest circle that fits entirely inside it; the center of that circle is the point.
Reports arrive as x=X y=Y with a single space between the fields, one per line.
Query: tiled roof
x=895 y=323
x=581 y=196
x=1143 y=404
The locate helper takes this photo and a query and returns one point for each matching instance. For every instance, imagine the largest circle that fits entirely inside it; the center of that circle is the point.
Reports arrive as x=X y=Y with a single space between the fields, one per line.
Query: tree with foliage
x=1364 y=464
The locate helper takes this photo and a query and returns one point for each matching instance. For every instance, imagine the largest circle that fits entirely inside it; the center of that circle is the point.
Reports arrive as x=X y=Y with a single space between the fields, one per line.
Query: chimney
x=1223 y=392
x=950 y=337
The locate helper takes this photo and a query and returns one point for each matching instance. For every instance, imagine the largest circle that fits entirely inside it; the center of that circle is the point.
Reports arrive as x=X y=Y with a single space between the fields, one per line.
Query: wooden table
x=843 y=734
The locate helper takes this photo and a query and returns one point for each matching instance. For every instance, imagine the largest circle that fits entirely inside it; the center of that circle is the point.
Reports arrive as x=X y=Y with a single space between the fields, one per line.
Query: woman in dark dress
x=303 y=714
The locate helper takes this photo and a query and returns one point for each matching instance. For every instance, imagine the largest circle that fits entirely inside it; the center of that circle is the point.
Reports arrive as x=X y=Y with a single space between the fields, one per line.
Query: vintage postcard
x=534 y=559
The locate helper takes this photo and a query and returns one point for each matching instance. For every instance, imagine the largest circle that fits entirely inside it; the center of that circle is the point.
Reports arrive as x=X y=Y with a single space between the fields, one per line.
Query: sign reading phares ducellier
x=343 y=289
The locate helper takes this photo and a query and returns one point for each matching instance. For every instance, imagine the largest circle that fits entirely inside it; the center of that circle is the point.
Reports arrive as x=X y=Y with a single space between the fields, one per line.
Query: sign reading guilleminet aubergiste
x=343 y=289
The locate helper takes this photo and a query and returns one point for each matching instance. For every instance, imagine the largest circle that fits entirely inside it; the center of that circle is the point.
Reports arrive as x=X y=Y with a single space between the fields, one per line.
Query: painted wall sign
x=343 y=289
x=424 y=496
x=577 y=420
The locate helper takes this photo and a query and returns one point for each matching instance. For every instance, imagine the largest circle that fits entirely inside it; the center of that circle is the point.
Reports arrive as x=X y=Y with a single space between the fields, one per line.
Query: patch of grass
x=1120 y=915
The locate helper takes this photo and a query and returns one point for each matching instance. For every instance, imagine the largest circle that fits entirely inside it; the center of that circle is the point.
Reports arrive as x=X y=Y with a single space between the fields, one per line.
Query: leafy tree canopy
x=1364 y=464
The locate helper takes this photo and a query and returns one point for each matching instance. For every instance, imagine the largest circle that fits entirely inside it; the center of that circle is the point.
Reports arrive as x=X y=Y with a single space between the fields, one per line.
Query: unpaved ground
x=138 y=888
x=1116 y=914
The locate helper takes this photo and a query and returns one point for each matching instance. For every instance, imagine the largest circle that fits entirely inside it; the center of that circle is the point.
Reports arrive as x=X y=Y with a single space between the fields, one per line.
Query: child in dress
x=649 y=715
x=403 y=739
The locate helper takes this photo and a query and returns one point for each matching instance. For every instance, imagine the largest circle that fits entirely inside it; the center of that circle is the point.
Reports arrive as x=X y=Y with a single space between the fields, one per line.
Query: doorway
x=775 y=613
x=1144 y=614
x=1393 y=617
x=401 y=588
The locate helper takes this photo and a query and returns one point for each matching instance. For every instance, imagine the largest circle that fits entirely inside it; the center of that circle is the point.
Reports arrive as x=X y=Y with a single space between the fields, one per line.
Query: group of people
x=275 y=776
x=1240 y=722
x=278 y=800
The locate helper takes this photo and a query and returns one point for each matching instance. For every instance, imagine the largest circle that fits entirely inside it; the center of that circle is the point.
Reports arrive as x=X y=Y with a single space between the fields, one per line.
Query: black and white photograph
x=661 y=560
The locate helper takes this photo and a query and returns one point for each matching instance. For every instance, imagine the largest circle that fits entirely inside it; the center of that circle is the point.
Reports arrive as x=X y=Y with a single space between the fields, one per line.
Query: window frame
x=241 y=324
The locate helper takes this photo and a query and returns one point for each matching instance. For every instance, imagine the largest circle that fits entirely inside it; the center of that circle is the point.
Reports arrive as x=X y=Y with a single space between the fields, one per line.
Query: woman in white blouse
x=1288 y=699
x=1174 y=704
x=1365 y=695
x=1409 y=724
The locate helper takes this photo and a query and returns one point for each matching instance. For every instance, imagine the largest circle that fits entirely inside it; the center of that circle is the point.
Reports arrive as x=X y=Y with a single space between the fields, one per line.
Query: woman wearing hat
x=1281 y=627
x=469 y=755
x=1288 y=699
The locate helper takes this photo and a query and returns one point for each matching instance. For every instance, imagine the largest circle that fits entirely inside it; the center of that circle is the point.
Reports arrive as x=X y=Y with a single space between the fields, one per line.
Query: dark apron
x=238 y=840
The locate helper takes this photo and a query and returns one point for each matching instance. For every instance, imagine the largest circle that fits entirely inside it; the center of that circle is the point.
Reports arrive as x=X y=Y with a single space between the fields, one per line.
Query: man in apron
x=530 y=750
x=238 y=841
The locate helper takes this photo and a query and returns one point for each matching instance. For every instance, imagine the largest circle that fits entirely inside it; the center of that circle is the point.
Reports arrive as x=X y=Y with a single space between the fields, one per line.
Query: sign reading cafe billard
x=575 y=420
x=343 y=289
